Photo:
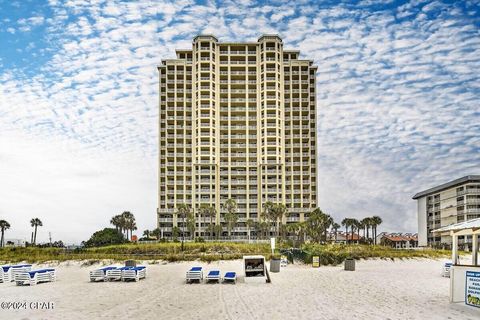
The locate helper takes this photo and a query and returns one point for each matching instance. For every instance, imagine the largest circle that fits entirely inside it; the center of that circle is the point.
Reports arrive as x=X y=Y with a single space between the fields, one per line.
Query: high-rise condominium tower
x=237 y=121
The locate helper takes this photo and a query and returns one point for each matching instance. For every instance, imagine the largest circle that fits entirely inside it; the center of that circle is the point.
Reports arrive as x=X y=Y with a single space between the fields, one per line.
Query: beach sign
x=472 y=289
x=315 y=261
x=272 y=244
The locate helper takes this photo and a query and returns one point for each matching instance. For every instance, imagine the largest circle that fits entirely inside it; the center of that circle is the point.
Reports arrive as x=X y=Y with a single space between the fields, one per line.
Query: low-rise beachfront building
x=398 y=240
x=342 y=237
x=452 y=202
x=15 y=242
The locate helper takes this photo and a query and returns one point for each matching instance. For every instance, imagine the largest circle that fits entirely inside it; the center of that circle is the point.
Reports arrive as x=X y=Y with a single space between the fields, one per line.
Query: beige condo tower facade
x=236 y=121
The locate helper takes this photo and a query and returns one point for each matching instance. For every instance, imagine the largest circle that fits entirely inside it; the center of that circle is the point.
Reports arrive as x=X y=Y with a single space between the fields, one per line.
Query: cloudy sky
x=398 y=101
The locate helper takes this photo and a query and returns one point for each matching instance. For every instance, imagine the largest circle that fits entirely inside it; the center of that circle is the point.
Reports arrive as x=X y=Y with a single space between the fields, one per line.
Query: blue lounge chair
x=115 y=274
x=100 y=274
x=35 y=277
x=9 y=271
x=194 y=274
x=213 y=275
x=230 y=276
x=134 y=273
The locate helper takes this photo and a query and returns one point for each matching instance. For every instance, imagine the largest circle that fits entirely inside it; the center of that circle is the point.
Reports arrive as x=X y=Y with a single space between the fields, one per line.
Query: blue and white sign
x=472 y=289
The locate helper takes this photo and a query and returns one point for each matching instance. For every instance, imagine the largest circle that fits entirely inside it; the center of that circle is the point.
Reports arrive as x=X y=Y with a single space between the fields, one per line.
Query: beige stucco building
x=237 y=120
x=452 y=202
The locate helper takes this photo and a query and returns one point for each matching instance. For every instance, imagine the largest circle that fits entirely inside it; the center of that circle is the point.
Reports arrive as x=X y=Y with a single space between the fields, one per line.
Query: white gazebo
x=464 y=279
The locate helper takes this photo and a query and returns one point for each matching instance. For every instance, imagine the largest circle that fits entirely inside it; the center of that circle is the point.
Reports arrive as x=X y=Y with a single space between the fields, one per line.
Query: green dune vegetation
x=330 y=254
x=308 y=239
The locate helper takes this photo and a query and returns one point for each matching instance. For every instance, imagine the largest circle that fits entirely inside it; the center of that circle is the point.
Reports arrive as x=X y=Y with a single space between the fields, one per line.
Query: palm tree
x=231 y=216
x=157 y=233
x=127 y=222
x=249 y=223
x=376 y=221
x=328 y=223
x=191 y=224
x=35 y=222
x=4 y=225
x=316 y=225
x=208 y=212
x=118 y=222
x=346 y=222
x=335 y=227
x=218 y=230
x=355 y=225
x=366 y=226
x=146 y=233
x=268 y=213
x=278 y=211
x=183 y=211
x=175 y=232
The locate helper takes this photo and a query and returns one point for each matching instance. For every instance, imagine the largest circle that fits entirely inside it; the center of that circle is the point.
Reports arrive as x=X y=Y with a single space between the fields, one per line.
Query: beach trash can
x=130 y=263
x=350 y=264
x=275 y=265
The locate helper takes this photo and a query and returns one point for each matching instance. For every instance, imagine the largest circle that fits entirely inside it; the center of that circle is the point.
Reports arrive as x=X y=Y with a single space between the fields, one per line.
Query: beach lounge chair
x=230 y=276
x=35 y=277
x=134 y=273
x=213 y=275
x=100 y=274
x=194 y=274
x=446 y=269
x=114 y=274
x=9 y=272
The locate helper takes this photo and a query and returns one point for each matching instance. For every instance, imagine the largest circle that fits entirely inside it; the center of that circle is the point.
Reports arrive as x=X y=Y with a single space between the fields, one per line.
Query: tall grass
x=336 y=254
x=209 y=251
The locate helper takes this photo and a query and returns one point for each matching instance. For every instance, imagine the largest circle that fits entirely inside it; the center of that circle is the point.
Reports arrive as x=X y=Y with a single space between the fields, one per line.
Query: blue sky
x=398 y=101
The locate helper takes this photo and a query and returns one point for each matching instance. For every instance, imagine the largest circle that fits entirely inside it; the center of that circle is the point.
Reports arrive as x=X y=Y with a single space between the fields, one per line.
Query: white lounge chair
x=446 y=269
x=134 y=273
x=35 y=277
x=100 y=274
x=213 y=275
x=230 y=276
x=114 y=274
x=194 y=274
x=9 y=271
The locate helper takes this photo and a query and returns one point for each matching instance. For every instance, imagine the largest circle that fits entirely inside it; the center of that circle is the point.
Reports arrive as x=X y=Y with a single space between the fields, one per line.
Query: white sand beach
x=378 y=289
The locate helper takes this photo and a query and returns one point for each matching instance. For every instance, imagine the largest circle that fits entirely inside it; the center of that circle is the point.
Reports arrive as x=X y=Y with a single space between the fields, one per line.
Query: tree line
x=5 y=225
x=316 y=227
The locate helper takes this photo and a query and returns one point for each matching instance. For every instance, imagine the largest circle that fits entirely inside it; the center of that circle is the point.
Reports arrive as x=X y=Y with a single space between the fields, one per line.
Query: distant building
x=342 y=237
x=398 y=240
x=452 y=202
x=14 y=243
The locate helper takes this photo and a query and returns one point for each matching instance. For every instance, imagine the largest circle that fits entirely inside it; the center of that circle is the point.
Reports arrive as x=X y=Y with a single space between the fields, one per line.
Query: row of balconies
x=469 y=201
x=237 y=62
x=237 y=52
x=298 y=82
x=238 y=72
x=238 y=100
x=238 y=91
x=238 y=81
x=178 y=90
x=468 y=191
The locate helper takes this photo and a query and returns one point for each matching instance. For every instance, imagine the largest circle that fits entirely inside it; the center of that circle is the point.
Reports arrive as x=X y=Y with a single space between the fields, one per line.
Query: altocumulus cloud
x=398 y=91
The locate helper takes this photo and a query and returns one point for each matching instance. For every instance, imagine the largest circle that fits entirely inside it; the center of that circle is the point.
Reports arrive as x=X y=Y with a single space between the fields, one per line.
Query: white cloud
x=397 y=104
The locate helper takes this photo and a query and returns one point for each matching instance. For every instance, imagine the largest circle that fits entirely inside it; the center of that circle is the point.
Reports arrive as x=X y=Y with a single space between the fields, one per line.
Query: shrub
x=107 y=236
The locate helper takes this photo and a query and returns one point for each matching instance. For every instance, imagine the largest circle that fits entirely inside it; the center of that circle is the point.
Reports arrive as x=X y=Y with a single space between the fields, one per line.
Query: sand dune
x=378 y=289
